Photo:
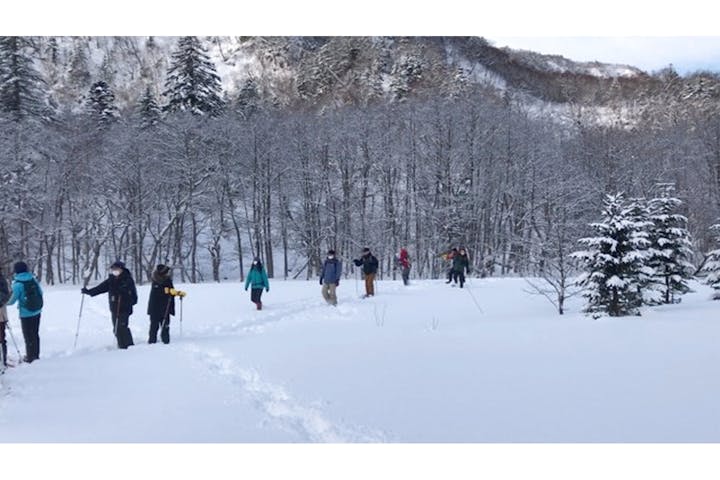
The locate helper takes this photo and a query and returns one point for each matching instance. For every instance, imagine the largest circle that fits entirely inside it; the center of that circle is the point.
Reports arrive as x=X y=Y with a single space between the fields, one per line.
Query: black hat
x=331 y=252
x=20 y=267
x=366 y=249
x=161 y=269
x=118 y=264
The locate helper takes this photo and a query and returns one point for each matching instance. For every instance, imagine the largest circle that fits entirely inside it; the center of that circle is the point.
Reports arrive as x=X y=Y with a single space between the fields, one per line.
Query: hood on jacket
x=23 y=276
x=158 y=277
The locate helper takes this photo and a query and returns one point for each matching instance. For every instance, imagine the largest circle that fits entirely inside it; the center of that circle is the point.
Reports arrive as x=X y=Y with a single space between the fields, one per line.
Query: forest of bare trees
x=206 y=193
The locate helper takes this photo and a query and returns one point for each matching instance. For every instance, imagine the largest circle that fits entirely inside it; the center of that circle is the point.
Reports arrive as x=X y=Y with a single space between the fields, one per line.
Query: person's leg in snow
x=154 y=327
x=369 y=284
x=122 y=331
x=255 y=296
x=3 y=343
x=30 y=328
x=165 y=331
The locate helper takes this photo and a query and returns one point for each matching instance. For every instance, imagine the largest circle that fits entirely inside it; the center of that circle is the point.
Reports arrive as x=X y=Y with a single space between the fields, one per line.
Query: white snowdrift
x=414 y=364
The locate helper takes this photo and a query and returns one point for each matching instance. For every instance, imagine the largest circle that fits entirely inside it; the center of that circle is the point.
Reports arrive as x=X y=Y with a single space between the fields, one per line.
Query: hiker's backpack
x=33 y=300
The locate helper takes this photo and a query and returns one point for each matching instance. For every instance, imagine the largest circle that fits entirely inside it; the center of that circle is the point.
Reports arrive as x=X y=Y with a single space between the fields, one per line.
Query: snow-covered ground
x=421 y=363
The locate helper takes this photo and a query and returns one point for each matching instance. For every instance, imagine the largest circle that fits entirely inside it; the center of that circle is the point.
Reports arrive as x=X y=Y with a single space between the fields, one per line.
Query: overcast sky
x=686 y=54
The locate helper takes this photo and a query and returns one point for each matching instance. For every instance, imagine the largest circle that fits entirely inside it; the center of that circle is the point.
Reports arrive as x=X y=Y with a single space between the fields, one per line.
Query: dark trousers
x=30 y=329
x=255 y=294
x=406 y=275
x=3 y=345
x=122 y=330
x=156 y=323
x=459 y=276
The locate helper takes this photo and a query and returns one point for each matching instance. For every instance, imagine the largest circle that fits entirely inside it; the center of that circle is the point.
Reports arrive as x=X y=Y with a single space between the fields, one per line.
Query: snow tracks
x=310 y=423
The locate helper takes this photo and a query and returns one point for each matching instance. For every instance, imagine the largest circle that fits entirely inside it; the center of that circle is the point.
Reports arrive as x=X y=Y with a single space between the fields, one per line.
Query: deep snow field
x=421 y=363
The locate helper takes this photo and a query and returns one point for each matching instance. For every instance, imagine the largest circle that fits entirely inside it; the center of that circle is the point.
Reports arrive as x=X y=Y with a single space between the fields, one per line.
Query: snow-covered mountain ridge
x=333 y=71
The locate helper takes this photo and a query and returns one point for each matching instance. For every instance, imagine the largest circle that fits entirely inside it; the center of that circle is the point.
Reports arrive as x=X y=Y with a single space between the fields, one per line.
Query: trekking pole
x=181 y=302
x=82 y=301
x=357 y=291
x=14 y=342
x=473 y=298
x=77 y=330
x=166 y=317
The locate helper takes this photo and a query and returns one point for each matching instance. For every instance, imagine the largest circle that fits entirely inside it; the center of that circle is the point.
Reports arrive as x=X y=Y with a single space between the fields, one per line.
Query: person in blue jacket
x=27 y=293
x=330 y=277
x=258 y=280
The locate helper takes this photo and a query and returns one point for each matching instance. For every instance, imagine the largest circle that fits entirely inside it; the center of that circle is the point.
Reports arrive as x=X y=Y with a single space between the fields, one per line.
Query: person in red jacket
x=404 y=262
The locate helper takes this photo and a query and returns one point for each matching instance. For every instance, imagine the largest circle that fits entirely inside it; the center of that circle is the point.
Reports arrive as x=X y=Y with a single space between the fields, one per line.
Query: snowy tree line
x=204 y=182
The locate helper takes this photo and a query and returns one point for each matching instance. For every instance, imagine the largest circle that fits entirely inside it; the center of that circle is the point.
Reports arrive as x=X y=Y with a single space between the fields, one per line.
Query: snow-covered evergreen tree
x=21 y=86
x=79 y=72
x=149 y=110
x=192 y=83
x=101 y=103
x=615 y=260
x=670 y=245
x=248 y=99
x=711 y=267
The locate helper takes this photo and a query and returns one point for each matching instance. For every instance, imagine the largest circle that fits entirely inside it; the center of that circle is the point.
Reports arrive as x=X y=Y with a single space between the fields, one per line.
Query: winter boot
x=259 y=305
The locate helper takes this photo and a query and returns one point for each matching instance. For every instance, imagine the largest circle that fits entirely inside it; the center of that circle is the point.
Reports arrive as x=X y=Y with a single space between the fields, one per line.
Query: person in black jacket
x=122 y=295
x=161 y=304
x=369 y=269
x=4 y=297
x=461 y=264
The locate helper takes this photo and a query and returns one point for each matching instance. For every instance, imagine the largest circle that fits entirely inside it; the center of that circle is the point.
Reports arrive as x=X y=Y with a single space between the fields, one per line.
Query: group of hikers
x=122 y=294
x=459 y=265
x=368 y=263
x=122 y=297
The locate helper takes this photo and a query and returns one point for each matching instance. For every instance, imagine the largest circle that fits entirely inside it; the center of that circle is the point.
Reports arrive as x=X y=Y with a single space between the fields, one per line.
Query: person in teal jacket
x=27 y=293
x=257 y=279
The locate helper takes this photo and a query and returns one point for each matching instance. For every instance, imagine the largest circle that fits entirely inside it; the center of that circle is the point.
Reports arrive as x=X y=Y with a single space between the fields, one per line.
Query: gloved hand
x=85 y=291
x=321 y=281
x=337 y=284
x=246 y=289
x=267 y=289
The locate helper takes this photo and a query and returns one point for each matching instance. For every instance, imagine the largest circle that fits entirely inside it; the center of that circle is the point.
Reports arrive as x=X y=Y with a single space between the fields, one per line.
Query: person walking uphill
x=4 y=297
x=257 y=279
x=460 y=265
x=27 y=293
x=161 y=304
x=122 y=295
x=330 y=277
x=369 y=269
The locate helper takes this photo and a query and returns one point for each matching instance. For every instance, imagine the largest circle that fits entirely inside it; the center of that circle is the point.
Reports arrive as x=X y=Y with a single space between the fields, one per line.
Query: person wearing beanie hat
x=258 y=279
x=122 y=295
x=4 y=297
x=330 y=277
x=369 y=264
x=161 y=304
x=26 y=291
